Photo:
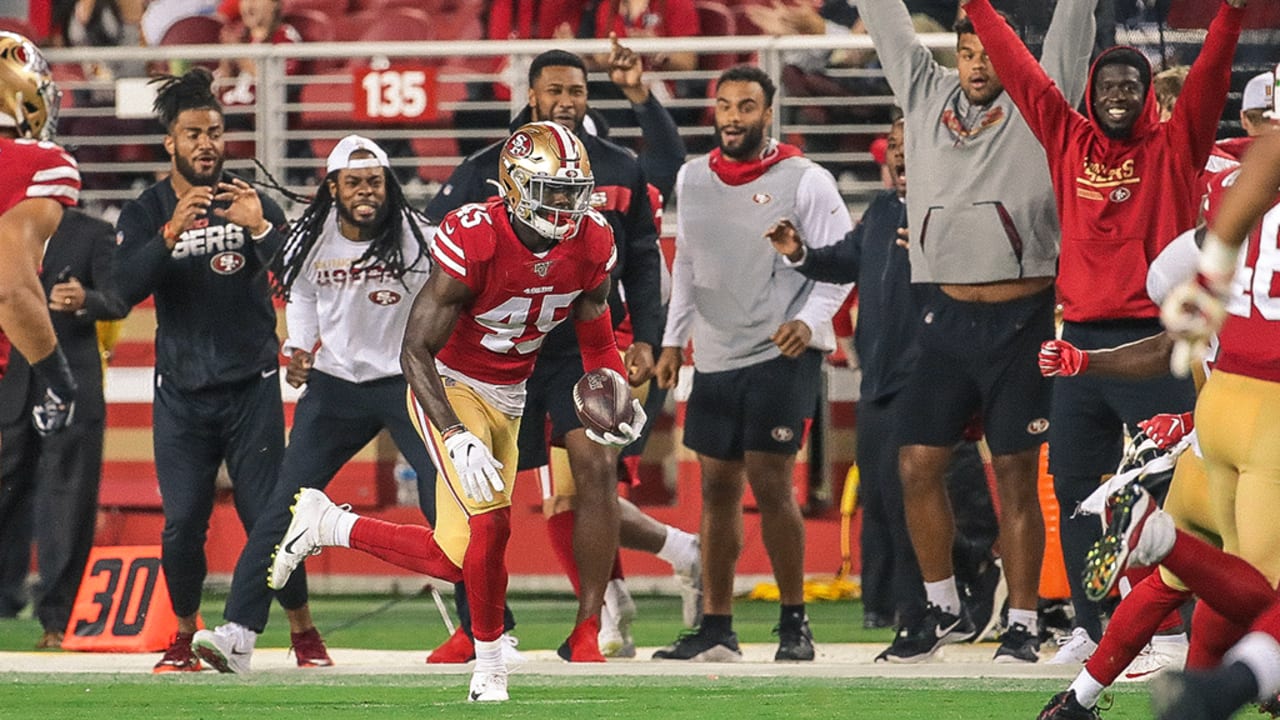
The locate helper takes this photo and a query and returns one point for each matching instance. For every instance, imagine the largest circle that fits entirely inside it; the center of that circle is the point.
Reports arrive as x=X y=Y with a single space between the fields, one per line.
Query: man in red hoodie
x=1126 y=184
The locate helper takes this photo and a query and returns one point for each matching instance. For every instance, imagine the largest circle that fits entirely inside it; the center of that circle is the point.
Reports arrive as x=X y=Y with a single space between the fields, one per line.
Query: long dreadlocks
x=386 y=248
x=192 y=90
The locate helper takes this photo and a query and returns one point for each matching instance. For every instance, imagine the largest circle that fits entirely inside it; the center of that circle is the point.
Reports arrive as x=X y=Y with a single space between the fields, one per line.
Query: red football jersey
x=34 y=169
x=1250 y=338
x=519 y=295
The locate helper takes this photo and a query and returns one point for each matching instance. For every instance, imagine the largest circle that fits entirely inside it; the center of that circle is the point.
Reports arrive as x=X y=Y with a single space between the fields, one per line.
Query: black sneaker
x=922 y=639
x=794 y=643
x=1018 y=645
x=1064 y=706
x=702 y=647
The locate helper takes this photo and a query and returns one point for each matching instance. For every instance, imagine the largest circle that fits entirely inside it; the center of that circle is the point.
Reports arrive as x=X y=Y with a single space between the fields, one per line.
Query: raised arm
x=1068 y=45
x=1194 y=123
x=908 y=65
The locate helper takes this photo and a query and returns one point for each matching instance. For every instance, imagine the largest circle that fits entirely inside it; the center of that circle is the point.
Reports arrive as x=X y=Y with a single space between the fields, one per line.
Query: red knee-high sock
x=1212 y=635
x=1132 y=625
x=1269 y=621
x=412 y=547
x=617 y=568
x=1228 y=583
x=1133 y=576
x=485 y=568
x=560 y=530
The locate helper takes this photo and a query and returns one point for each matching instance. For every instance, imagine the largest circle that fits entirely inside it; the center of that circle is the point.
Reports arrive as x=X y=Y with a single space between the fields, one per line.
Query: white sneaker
x=488 y=687
x=616 y=616
x=312 y=511
x=1074 y=649
x=511 y=657
x=691 y=589
x=1159 y=655
x=227 y=648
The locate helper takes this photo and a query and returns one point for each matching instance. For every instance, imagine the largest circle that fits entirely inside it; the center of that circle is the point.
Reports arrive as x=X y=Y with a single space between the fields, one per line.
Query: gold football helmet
x=28 y=97
x=545 y=177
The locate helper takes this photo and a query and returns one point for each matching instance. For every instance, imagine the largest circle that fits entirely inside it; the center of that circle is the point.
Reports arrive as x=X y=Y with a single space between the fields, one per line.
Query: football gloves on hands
x=1166 y=429
x=1192 y=313
x=476 y=466
x=56 y=408
x=626 y=433
x=1059 y=358
x=53 y=413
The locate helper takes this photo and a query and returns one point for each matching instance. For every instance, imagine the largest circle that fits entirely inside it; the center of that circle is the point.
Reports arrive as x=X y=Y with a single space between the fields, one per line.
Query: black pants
x=333 y=420
x=891 y=580
x=194 y=432
x=54 y=479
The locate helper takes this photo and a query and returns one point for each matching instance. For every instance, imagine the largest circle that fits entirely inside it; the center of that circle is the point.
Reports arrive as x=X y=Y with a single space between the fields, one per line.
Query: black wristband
x=55 y=372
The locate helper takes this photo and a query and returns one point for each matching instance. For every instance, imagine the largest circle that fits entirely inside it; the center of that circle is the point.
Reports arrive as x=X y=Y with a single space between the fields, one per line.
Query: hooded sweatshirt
x=1120 y=201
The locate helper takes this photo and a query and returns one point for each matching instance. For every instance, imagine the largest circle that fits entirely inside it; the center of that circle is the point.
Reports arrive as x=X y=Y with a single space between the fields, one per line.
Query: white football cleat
x=616 y=615
x=313 y=518
x=1074 y=649
x=488 y=687
x=690 y=579
x=1161 y=654
x=511 y=657
x=227 y=648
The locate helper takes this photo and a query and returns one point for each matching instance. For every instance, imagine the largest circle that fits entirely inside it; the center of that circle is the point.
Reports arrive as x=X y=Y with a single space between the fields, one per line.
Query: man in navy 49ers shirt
x=39 y=179
x=200 y=242
x=505 y=273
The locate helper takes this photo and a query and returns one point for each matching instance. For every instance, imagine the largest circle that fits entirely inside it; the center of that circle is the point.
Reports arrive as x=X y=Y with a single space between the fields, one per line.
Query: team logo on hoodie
x=1120 y=194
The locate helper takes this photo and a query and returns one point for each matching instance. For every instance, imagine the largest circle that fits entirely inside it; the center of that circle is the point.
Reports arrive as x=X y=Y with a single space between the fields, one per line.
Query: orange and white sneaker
x=179 y=657
x=583 y=643
x=456 y=650
x=309 y=650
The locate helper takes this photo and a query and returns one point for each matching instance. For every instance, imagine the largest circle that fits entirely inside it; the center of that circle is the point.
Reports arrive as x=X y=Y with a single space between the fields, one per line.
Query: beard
x=368 y=228
x=188 y=172
x=748 y=146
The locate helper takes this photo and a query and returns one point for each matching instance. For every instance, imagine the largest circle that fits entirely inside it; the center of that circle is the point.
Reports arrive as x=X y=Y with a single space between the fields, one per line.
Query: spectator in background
x=872 y=256
x=200 y=242
x=160 y=15
x=49 y=485
x=258 y=21
x=1256 y=118
x=1126 y=185
x=984 y=248
x=96 y=23
x=759 y=333
x=1167 y=85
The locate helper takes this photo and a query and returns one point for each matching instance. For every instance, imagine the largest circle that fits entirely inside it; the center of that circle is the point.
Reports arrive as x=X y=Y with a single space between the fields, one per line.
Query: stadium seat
x=716 y=20
x=22 y=27
x=326 y=105
x=194 y=30
x=362 y=5
x=394 y=24
x=331 y=8
x=313 y=25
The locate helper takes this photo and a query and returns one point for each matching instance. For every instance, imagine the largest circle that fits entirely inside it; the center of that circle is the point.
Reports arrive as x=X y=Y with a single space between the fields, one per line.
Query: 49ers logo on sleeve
x=384 y=297
x=520 y=145
x=226 y=263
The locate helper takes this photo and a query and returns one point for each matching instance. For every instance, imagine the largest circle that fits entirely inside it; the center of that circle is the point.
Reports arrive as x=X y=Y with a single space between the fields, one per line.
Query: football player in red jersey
x=39 y=179
x=506 y=272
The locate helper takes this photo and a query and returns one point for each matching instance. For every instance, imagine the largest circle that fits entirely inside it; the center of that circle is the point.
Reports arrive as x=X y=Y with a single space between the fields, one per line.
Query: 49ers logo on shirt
x=226 y=263
x=384 y=297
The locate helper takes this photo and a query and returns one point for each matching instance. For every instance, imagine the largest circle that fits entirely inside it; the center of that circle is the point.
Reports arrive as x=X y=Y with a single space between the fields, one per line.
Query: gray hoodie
x=981 y=207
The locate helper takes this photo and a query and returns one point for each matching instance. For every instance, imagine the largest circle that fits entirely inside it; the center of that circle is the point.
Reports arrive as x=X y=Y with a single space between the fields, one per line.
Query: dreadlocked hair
x=193 y=90
x=386 y=249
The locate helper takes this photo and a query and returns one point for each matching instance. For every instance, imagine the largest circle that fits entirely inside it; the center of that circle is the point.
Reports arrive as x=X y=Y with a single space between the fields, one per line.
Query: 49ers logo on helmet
x=520 y=145
x=226 y=263
x=384 y=297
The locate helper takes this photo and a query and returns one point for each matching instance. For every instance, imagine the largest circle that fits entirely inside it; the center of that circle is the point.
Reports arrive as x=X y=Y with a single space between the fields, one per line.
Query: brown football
x=602 y=399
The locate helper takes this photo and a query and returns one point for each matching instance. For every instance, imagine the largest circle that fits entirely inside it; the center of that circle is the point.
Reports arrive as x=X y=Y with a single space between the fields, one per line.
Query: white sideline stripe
x=838 y=660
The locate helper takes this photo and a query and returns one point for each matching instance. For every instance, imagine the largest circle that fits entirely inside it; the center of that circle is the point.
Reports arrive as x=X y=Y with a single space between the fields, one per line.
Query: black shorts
x=1089 y=414
x=548 y=407
x=979 y=358
x=759 y=408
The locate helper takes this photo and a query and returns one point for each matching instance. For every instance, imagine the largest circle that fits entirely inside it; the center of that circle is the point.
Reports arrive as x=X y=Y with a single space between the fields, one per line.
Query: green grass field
x=412 y=623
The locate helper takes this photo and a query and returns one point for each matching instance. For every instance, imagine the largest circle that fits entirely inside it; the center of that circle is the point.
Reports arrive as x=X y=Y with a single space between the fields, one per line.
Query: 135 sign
x=396 y=93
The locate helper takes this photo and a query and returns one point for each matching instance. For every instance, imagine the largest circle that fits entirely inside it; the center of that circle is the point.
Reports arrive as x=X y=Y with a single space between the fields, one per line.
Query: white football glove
x=627 y=433
x=1192 y=313
x=477 y=467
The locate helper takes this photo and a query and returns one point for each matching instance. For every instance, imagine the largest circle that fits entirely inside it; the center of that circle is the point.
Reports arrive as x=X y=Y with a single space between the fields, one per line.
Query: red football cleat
x=582 y=644
x=456 y=650
x=309 y=649
x=179 y=657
